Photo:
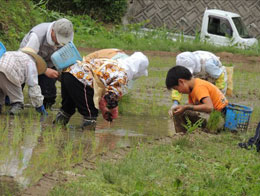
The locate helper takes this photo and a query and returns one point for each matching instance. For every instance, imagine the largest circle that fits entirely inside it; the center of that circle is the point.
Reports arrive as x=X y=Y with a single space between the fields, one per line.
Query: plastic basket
x=237 y=117
x=65 y=56
x=2 y=49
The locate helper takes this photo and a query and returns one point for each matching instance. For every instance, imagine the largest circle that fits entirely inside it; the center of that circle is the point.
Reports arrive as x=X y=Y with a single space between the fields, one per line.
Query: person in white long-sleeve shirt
x=17 y=68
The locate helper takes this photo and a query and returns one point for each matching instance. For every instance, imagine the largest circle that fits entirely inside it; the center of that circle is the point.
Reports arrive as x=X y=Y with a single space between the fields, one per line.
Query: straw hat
x=40 y=63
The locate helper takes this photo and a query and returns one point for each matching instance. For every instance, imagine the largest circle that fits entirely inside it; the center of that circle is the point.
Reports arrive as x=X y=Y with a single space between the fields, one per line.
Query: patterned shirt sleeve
x=112 y=76
x=108 y=71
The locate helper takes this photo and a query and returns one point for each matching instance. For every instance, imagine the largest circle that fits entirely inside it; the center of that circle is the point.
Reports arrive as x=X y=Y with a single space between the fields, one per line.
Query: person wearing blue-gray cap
x=45 y=39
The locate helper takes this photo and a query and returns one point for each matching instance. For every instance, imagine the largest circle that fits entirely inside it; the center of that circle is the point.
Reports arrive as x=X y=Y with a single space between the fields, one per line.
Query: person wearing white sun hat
x=17 y=68
x=204 y=65
x=45 y=39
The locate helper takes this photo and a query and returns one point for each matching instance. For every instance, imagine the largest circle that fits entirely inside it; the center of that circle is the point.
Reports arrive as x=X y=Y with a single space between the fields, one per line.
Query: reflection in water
x=30 y=145
x=17 y=159
x=138 y=126
x=106 y=141
x=127 y=130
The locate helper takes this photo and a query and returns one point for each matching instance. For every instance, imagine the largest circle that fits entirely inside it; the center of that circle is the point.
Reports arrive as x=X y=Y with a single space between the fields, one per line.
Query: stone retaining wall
x=187 y=15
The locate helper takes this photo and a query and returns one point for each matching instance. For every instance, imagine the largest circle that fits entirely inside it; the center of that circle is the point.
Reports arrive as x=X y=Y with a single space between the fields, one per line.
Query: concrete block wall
x=186 y=15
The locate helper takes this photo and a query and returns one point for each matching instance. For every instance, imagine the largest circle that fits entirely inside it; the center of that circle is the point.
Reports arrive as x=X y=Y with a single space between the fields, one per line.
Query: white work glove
x=171 y=110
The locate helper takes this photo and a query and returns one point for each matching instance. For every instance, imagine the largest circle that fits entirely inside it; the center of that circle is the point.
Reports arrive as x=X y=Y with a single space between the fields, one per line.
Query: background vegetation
x=16 y=18
x=90 y=20
x=102 y=10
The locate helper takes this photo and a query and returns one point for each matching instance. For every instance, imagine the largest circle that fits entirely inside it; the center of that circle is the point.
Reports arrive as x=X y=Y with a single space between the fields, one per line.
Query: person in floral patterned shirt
x=98 y=82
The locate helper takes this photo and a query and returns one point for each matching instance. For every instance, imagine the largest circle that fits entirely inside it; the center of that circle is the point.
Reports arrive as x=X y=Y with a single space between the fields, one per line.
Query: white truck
x=225 y=28
x=218 y=27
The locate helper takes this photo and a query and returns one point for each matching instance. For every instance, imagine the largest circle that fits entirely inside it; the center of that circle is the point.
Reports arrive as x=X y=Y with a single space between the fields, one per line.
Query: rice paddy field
x=139 y=153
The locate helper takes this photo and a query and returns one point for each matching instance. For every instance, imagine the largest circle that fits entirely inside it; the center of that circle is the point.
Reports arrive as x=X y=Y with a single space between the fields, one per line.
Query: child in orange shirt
x=203 y=96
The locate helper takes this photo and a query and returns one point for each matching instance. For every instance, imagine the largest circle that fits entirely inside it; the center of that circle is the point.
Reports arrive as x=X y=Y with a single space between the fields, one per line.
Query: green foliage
x=16 y=18
x=209 y=166
x=102 y=10
x=192 y=127
x=215 y=122
x=228 y=64
x=182 y=143
x=15 y=23
x=132 y=37
x=9 y=187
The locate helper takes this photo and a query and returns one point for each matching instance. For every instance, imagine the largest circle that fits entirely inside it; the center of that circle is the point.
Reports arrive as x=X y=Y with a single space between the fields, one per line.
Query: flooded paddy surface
x=30 y=148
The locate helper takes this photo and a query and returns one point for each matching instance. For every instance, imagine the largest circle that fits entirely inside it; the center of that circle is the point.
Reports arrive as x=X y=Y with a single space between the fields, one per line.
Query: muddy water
x=25 y=142
x=124 y=131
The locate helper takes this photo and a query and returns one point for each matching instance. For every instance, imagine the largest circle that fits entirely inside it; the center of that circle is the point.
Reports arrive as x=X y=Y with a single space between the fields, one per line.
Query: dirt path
x=224 y=56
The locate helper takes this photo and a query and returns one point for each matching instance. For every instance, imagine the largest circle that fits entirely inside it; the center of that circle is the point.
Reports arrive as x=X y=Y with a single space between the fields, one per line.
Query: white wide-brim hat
x=40 y=62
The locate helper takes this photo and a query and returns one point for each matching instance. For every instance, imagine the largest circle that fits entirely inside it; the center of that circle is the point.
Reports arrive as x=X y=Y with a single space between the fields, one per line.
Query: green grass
x=148 y=92
x=15 y=23
x=126 y=40
x=122 y=37
x=196 y=164
x=215 y=121
x=16 y=19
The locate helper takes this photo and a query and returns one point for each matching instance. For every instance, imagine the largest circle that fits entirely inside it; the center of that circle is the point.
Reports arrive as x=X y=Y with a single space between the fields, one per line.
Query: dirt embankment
x=224 y=56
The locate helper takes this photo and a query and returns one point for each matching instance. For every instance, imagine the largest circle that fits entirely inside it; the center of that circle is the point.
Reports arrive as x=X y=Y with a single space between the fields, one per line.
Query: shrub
x=15 y=23
x=102 y=10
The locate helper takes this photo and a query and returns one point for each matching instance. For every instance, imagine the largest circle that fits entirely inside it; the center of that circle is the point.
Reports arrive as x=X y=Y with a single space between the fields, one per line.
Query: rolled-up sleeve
x=35 y=95
x=34 y=89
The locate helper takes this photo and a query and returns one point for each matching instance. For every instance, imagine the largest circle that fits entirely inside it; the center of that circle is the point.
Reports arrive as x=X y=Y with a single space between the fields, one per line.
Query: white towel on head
x=188 y=60
x=135 y=65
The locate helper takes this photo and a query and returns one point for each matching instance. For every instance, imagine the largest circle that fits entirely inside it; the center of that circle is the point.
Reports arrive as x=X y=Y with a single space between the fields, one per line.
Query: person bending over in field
x=17 y=68
x=98 y=82
x=204 y=65
x=203 y=96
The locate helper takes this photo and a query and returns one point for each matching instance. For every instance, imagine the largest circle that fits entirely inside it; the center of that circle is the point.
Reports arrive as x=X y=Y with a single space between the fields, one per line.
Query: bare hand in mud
x=179 y=109
x=108 y=117
x=51 y=73
x=172 y=109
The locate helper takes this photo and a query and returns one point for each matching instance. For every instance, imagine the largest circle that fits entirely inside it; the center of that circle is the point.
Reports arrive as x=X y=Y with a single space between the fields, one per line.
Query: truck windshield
x=241 y=28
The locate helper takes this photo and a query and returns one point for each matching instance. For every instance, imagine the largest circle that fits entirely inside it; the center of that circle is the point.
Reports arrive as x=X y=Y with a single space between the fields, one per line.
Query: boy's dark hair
x=176 y=73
